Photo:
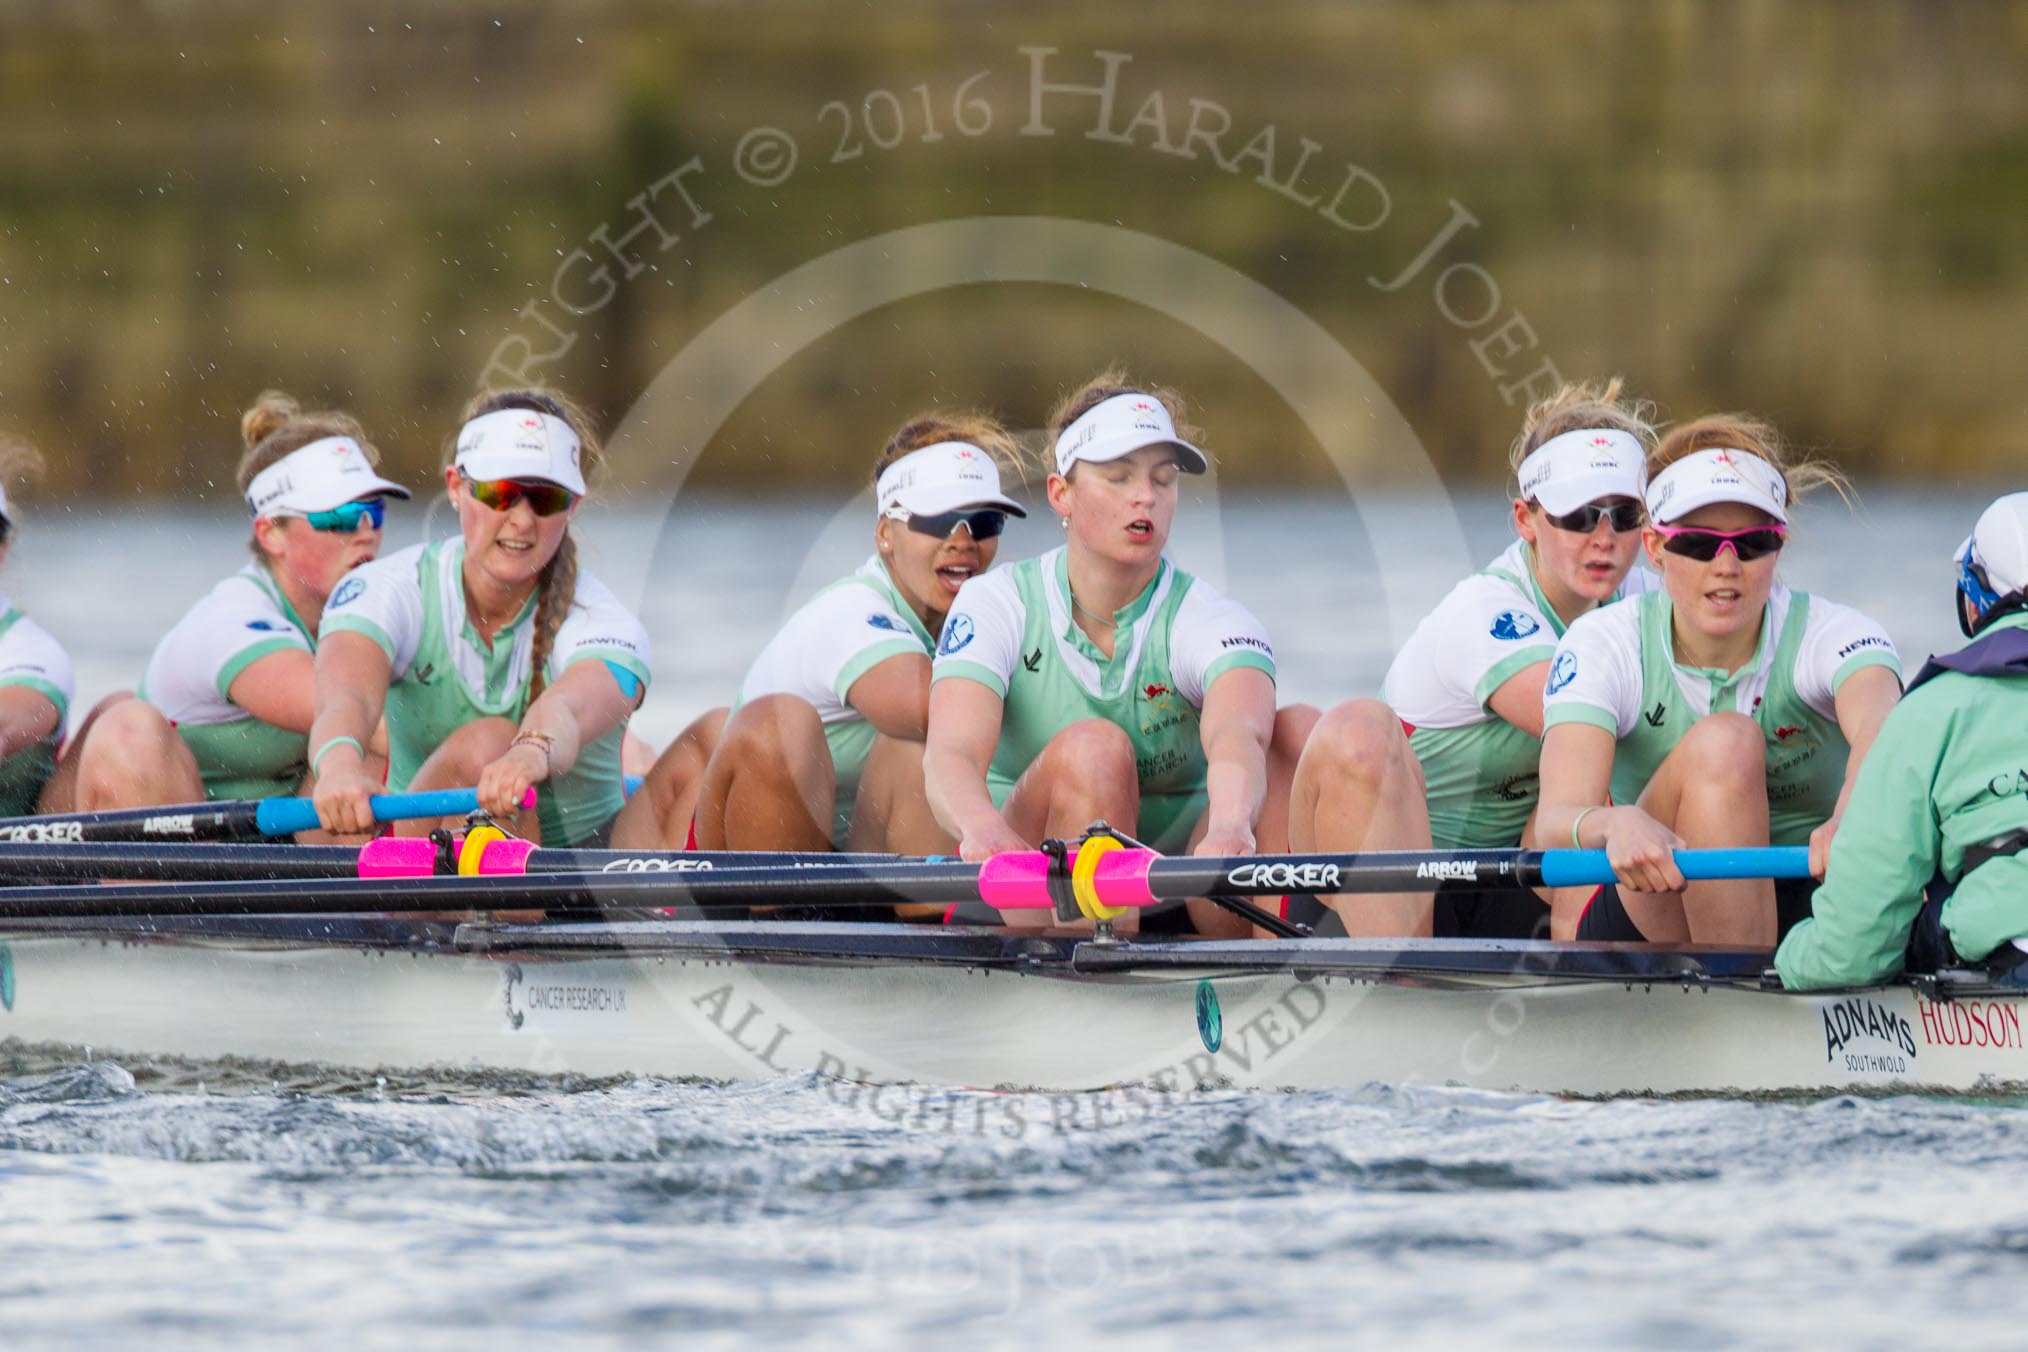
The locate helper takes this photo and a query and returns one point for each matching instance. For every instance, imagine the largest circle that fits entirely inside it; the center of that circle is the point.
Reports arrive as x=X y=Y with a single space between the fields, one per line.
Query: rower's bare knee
x=131 y=756
x=1095 y=752
x=1724 y=752
x=1360 y=744
x=771 y=727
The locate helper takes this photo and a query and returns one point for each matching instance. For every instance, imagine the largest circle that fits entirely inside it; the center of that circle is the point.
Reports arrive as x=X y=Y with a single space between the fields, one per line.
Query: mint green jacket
x=1948 y=771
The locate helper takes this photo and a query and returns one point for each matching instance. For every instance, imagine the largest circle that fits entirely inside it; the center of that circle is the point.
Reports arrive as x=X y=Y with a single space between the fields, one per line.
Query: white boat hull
x=1045 y=1026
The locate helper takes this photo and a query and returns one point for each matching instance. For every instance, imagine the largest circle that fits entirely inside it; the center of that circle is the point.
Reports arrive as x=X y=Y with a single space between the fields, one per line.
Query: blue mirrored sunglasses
x=346 y=516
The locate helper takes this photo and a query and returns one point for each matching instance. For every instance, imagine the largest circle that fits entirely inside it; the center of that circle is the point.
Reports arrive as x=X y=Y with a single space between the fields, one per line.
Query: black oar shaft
x=1325 y=874
x=194 y=821
x=558 y=894
x=93 y=861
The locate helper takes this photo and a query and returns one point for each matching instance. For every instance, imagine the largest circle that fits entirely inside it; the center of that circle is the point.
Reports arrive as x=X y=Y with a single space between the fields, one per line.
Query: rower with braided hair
x=499 y=662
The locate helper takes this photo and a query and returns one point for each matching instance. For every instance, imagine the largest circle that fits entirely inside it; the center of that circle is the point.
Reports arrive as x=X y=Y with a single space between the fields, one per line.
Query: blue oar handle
x=1584 y=868
x=286 y=816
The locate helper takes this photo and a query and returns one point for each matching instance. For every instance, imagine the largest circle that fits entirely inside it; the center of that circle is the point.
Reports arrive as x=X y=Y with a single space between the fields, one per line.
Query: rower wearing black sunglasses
x=224 y=708
x=1448 y=756
x=498 y=661
x=1723 y=710
x=824 y=747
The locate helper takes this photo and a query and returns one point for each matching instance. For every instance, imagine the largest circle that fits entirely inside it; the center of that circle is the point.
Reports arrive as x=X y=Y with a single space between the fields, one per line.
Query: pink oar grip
x=1017 y=881
x=1121 y=878
x=398 y=857
x=505 y=856
x=528 y=799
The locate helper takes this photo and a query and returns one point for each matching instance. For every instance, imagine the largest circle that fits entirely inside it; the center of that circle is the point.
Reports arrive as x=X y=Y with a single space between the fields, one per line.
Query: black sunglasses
x=1625 y=517
x=983 y=522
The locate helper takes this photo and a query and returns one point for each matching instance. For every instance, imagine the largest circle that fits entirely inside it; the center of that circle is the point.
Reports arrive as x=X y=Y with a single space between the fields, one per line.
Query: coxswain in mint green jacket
x=1948 y=774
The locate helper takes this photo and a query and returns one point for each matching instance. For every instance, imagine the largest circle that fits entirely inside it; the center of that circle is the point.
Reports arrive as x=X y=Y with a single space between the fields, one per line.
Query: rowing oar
x=247 y=819
x=91 y=861
x=1095 y=883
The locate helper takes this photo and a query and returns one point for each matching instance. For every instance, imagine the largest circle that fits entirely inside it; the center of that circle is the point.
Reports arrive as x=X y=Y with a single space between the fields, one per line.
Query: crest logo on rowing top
x=350 y=590
x=1563 y=671
x=958 y=633
x=1514 y=624
x=880 y=621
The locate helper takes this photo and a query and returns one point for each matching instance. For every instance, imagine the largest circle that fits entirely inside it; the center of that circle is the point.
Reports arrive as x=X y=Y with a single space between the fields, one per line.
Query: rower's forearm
x=344 y=716
x=555 y=724
x=957 y=793
x=1235 y=784
x=1553 y=823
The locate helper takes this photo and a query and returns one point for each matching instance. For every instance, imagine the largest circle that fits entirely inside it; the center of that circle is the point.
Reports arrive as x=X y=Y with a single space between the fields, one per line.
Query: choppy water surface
x=138 y=1202
x=794 y=1210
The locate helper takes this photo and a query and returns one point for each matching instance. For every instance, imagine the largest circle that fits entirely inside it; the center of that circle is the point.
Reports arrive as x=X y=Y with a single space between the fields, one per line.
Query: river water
x=204 y=1204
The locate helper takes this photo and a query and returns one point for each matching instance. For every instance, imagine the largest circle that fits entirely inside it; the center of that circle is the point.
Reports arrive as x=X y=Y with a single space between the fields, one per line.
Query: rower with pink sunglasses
x=497 y=660
x=1724 y=709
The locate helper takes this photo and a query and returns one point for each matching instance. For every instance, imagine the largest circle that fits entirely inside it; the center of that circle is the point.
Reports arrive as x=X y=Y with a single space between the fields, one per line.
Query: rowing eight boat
x=908 y=1004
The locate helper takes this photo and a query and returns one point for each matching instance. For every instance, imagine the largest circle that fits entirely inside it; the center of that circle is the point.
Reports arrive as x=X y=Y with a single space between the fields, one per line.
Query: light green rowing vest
x=1043 y=698
x=1806 y=752
x=430 y=702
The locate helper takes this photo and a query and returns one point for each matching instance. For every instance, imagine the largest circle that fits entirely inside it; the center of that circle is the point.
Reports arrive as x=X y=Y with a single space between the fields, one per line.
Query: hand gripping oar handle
x=286 y=816
x=1586 y=868
x=229 y=820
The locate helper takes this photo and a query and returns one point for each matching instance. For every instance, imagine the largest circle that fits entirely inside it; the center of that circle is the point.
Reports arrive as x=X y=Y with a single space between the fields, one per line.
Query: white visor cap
x=1706 y=477
x=1999 y=544
x=521 y=443
x=327 y=473
x=942 y=478
x=1568 y=471
x=1120 y=426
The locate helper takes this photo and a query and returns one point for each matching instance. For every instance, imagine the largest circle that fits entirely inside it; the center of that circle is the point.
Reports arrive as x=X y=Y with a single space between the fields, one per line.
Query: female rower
x=1722 y=710
x=824 y=748
x=225 y=706
x=499 y=663
x=1449 y=758
x=1931 y=870
x=36 y=683
x=1100 y=681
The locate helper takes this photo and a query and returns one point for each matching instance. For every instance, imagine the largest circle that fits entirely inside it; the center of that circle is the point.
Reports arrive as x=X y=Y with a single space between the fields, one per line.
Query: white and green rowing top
x=1480 y=771
x=1012 y=631
x=412 y=604
x=837 y=636
x=190 y=674
x=1616 y=670
x=33 y=660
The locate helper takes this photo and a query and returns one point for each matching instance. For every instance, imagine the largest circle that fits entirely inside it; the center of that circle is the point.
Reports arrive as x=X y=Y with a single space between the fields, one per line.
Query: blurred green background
x=1815 y=211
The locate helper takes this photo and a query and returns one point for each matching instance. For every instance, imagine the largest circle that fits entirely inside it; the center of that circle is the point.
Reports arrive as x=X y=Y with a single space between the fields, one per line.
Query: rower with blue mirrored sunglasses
x=346 y=516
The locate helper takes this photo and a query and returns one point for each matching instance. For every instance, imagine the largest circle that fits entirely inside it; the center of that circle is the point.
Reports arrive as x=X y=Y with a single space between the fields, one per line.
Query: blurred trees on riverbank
x=1812 y=210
